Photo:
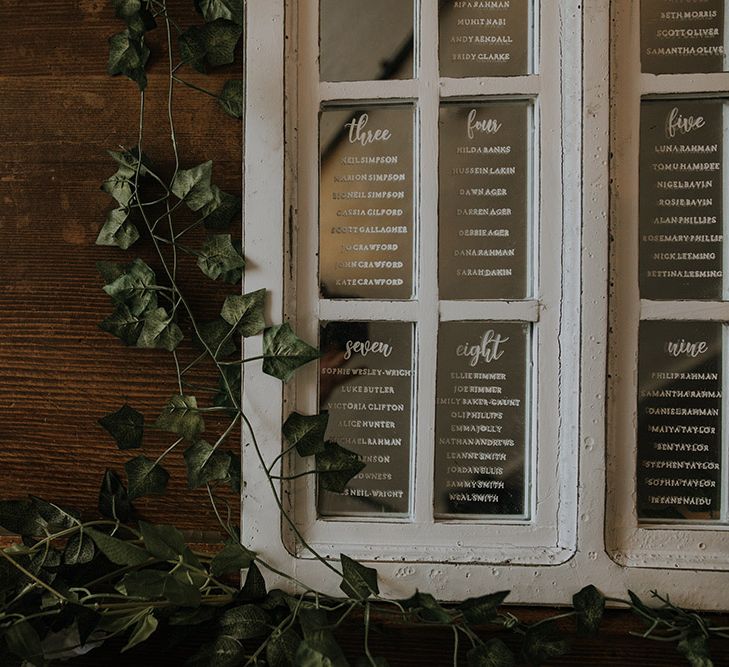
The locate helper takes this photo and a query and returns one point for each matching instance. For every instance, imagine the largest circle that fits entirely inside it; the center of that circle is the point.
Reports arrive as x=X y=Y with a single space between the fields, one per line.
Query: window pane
x=482 y=419
x=485 y=167
x=366 y=41
x=679 y=420
x=366 y=380
x=366 y=202
x=679 y=36
x=681 y=199
x=485 y=38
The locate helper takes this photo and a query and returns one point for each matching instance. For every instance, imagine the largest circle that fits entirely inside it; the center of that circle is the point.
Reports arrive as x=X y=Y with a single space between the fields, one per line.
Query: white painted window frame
x=631 y=542
x=270 y=217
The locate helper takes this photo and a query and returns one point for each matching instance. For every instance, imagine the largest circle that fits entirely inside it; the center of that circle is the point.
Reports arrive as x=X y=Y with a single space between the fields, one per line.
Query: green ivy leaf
x=155 y=584
x=211 y=45
x=494 y=653
x=217 y=336
x=130 y=160
x=193 y=185
x=126 y=326
x=118 y=551
x=165 y=542
x=232 y=558
x=137 y=17
x=79 y=550
x=128 y=55
x=543 y=642
x=221 y=9
x=306 y=433
x=284 y=352
x=234 y=473
x=24 y=641
x=120 y=186
x=181 y=416
x=696 y=650
x=223 y=652
x=233 y=381
x=143 y=630
x=234 y=276
x=482 y=609
x=281 y=648
x=126 y=426
x=55 y=517
x=231 y=98
x=336 y=466
x=358 y=581
x=134 y=285
x=589 y=604
x=113 y=499
x=219 y=257
x=320 y=651
x=254 y=588
x=159 y=331
x=245 y=312
x=428 y=608
x=21 y=517
x=118 y=230
x=246 y=622
x=219 y=212
x=145 y=478
x=205 y=464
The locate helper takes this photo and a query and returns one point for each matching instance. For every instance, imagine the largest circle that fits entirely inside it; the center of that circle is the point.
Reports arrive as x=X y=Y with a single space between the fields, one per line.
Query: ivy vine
x=71 y=583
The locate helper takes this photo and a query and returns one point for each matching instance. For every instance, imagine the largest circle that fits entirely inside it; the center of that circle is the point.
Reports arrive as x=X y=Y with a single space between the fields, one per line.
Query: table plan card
x=484 y=210
x=482 y=419
x=681 y=199
x=485 y=37
x=366 y=202
x=366 y=40
x=366 y=383
x=682 y=36
x=679 y=420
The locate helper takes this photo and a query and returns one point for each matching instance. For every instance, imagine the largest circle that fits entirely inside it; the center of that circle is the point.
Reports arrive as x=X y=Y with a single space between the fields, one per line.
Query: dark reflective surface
x=366 y=202
x=366 y=40
x=485 y=38
x=679 y=420
x=366 y=380
x=482 y=419
x=681 y=199
x=679 y=36
x=484 y=209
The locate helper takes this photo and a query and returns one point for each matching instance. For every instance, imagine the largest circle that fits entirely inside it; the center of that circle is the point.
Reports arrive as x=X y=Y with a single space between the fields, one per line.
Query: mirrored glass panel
x=366 y=202
x=482 y=419
x=366 y=381
x=366 y=40
x=485 y=38
x=682 y=36
x=681 y=198
x=679 y=420
x=485 y=202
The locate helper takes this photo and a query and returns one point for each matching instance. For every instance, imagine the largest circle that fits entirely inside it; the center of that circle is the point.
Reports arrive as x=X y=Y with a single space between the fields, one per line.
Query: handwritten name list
x=366 y=203
x=682 y=36
x=679 y=420
x=485 y=37
x=366 y=384
x=482 y=418
x=681 y=199
x=484 y=200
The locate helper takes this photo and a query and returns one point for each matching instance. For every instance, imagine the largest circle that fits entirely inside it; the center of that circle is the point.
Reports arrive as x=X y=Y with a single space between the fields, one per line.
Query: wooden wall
x=59 y=113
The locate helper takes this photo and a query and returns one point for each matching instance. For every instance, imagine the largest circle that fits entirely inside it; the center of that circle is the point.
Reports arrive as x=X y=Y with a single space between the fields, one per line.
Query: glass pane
x=366 y=380
x=485 y=166
x=366 y=202
x=482 y=419
x=680 y=36
x=681 y=199
x=485 y=38
x=366 y=41
x=679 y=420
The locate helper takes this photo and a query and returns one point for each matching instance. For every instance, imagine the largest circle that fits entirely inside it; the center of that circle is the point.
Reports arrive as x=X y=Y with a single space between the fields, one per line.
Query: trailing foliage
x=73 y=583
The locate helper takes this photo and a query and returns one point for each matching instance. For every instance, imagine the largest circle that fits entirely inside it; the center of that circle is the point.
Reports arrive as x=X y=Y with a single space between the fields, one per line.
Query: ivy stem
x=167 y=451
x=194 y=87
x=33 y=578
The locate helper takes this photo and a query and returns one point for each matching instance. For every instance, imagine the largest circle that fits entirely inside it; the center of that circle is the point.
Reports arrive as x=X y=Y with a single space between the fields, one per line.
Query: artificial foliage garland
x=72 y=584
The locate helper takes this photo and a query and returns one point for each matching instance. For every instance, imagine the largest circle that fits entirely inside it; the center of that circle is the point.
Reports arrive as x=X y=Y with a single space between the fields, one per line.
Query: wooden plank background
x=59 y=373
